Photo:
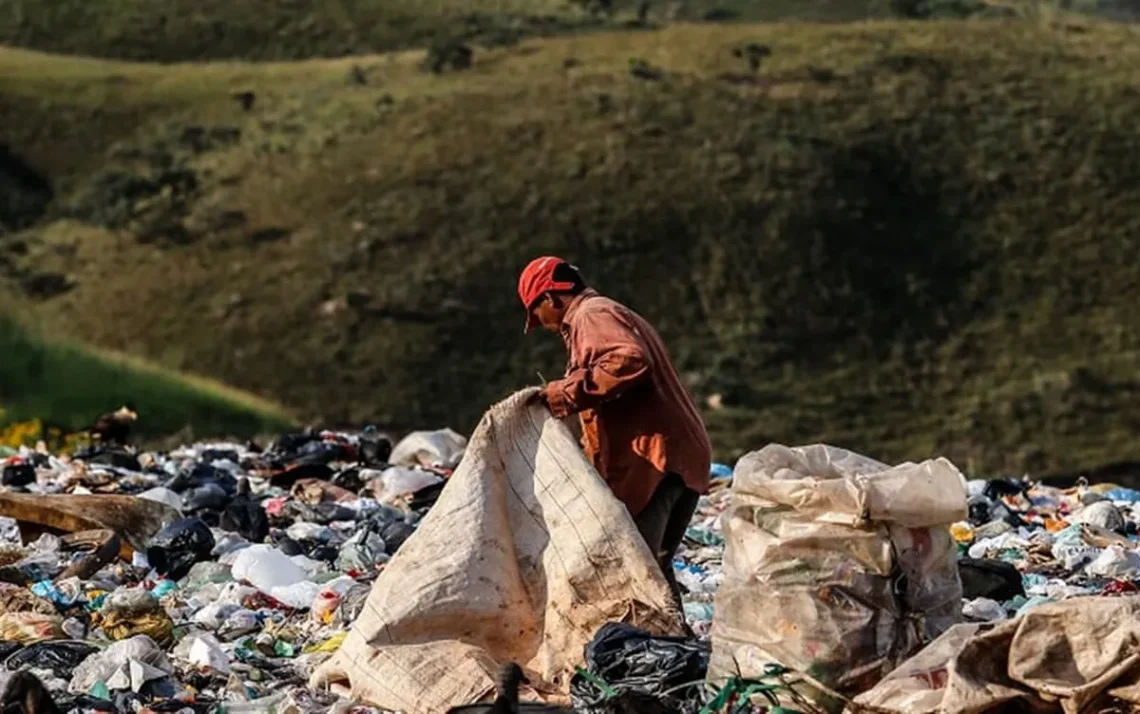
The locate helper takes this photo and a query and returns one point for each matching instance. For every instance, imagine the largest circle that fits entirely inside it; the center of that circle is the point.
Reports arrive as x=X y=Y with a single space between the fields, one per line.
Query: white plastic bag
x=273 y=573
x=390 y=484
x=443 y=448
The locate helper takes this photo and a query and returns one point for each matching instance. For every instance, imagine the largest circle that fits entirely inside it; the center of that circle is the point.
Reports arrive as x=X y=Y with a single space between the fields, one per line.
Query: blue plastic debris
x=720 y=472
x=1126 y=495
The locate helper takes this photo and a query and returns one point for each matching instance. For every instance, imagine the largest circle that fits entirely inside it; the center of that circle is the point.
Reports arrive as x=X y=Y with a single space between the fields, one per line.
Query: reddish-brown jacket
x=638 y=421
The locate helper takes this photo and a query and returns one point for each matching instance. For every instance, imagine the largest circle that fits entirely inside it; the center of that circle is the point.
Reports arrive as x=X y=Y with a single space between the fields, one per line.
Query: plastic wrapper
x=629 y=661
x=835 y=565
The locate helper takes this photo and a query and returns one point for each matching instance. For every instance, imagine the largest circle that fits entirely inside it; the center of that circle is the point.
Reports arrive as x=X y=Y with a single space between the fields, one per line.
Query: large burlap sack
x=835 y=565
x=1080 y=655
x=524 y=557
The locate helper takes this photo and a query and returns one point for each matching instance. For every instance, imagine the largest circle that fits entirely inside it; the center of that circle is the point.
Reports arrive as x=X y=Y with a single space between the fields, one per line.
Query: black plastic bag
x=108 y=456
x=175 y=549
x=60 y=656
x=348 y=479
x=201 y=474
x=375 y=448
x=394 y=534
x=246 y=518
x=207 y=497
x=640 y=669
x=18 y=475
x=993 y=579
x=211 y=455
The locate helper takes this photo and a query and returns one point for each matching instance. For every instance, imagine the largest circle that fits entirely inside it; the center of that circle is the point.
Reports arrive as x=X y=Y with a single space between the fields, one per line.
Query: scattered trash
x=135 y=520
x=219 y=577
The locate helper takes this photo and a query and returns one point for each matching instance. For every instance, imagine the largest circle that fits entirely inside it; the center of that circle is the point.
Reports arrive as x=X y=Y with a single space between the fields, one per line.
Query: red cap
x=536 y=280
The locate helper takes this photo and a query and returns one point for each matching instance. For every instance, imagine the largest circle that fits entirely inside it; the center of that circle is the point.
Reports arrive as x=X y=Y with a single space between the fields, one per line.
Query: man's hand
x=538 y=397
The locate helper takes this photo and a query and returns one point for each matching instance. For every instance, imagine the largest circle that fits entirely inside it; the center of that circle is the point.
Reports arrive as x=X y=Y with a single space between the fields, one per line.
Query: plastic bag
x=176 y=548
x=984 y=610
x=1115 y=562
x=17 y=599
x=1101 y=513
x=129 y=612
x=103 y=666
x=10 y=531
x=629 y=660
x=362 y=551
x=205 y=651
x=390 y=485
x=59 y=656
x=273 y=573
x=835 y=565
x=246 y=518
x=442 y=448
x=18 y=475
x=163 y=495
x=989 y=579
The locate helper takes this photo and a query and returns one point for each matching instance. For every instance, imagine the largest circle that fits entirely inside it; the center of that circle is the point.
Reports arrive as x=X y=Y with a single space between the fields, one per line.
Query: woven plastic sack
x=524 y=557
x=835 y=565
x=1078 y=655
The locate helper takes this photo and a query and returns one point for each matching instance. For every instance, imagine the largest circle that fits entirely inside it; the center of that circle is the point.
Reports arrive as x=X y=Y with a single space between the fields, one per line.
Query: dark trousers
x=663 y=524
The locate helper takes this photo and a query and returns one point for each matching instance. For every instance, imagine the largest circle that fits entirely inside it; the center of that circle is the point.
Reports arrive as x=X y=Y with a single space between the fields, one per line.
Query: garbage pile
x=213 y=578
x=1026 y=545
x=220 y=577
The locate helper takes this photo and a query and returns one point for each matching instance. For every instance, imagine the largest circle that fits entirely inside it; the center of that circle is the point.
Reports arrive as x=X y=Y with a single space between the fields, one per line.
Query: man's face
x=548 y=311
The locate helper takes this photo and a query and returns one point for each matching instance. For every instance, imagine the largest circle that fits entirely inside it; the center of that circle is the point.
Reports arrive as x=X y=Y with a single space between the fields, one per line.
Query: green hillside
x=67 y=386
x=904 y=238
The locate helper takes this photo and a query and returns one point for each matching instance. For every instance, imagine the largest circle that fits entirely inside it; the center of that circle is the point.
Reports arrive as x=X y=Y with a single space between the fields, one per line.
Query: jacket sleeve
x=611 y=359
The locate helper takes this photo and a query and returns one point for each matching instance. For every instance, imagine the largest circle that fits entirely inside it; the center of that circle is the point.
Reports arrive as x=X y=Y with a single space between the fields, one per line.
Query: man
x=640 y=428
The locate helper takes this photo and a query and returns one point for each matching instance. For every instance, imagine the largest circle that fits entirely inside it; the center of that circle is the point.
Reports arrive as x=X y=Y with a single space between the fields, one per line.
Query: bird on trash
x=115 y=427
x=507 y=701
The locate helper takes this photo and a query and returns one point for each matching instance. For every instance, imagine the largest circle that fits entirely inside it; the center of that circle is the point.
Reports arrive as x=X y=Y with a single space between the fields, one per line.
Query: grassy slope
x=903 y=238
x=68 y=386
x=180 y=30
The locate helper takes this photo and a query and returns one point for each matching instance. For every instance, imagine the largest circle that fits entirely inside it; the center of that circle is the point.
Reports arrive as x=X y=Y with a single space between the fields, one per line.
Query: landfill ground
x=268 y=556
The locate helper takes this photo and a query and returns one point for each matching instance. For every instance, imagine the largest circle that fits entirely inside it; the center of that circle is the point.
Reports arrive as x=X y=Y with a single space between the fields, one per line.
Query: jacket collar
x=575 y=305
